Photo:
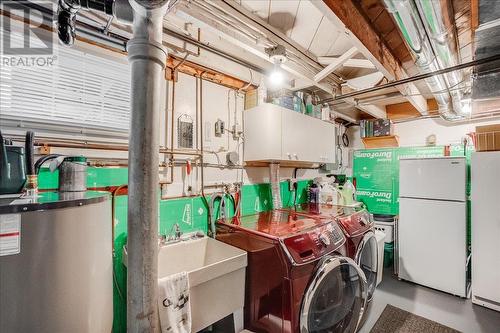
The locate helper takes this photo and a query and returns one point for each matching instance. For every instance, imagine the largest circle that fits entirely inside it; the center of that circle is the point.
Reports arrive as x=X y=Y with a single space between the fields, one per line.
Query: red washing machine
x=298 y=278
x=358 y=226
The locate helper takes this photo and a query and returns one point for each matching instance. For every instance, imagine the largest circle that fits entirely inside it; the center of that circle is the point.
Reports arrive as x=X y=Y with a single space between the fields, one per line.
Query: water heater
x=56 y=263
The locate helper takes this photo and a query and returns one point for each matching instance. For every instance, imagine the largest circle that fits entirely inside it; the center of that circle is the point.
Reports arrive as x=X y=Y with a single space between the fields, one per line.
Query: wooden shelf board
x=381 y=141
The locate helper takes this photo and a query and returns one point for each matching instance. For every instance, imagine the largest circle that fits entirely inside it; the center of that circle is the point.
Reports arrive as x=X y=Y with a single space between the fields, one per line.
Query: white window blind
x=80 y=91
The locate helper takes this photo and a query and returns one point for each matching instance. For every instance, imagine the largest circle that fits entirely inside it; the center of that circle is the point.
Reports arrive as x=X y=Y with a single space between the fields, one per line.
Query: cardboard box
x=251 y=99
x=488 y=128
x=489 y=141
x=488 y=138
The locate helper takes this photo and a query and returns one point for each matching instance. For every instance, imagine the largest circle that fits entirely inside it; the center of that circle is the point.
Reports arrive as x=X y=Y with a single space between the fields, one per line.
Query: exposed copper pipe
x=172 y=126
x=201 y=136
x=101 y=146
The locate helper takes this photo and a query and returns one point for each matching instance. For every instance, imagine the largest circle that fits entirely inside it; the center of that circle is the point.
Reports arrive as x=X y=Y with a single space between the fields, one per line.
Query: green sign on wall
x=377 y=173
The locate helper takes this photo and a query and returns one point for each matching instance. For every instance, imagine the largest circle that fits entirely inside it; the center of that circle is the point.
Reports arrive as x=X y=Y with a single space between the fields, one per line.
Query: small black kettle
x=15 y=163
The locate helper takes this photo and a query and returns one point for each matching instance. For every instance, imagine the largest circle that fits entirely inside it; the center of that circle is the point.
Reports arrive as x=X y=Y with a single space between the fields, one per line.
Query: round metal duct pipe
x=418 y=19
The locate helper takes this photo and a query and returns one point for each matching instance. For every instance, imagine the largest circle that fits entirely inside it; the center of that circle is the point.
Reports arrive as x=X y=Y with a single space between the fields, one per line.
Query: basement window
x=80 y=93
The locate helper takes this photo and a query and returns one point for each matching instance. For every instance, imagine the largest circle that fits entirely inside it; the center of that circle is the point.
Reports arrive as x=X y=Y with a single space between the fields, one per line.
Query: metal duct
x=274 y=176
x=486 y=87
x=431 y=39
x=438 y=21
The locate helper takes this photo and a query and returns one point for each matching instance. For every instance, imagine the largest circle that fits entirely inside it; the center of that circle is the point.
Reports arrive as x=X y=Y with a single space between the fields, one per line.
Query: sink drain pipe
x=147 y=59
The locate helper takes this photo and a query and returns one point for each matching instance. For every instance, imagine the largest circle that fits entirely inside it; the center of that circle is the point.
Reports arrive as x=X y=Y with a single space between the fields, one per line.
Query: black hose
x=4 y=163
x=30 y=154
x=66 y=21
x=42 y=160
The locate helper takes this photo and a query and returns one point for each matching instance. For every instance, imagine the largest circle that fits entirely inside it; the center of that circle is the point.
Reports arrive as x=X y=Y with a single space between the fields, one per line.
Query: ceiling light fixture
x=277 y=55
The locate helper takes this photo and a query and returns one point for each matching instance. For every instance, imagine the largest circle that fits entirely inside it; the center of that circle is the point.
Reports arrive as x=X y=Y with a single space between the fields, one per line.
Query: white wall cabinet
x=274 y=133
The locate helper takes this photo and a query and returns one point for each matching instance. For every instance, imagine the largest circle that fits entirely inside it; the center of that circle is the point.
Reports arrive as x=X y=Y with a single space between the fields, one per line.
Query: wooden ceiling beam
x=346 y=15
x=335 y=64
x=474 y=14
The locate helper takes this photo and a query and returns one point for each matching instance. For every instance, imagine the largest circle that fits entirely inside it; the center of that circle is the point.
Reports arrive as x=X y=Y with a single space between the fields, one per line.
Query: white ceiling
x=306 y=25
x=303 y=23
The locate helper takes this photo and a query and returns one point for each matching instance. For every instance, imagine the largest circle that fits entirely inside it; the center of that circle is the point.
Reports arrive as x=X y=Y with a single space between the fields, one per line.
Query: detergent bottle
x=330 y=194
x=348 y=191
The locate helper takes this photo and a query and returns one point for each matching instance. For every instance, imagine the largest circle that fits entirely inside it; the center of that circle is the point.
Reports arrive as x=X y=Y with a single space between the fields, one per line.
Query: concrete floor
x=443 y=308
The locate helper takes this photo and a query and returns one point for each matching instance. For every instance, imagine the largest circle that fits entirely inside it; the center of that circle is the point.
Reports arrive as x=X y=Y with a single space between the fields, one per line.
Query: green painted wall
x=190 y=213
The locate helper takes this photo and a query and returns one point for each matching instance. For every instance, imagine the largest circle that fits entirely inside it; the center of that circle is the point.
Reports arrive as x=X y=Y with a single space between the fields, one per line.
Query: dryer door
x=335 y=298
x=367 y=258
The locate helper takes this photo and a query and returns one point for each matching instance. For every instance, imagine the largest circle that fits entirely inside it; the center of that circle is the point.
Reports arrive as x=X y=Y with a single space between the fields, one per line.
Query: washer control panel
x=314 y=244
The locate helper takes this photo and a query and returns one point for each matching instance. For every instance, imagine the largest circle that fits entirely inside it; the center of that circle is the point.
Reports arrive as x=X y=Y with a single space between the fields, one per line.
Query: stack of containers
x=281 y=97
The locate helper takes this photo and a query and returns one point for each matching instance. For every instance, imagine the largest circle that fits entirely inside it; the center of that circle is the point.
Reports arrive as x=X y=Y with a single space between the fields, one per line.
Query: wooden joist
x=187 y=67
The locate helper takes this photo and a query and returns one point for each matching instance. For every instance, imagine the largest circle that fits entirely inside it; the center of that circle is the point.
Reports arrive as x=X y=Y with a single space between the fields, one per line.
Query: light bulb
x=276 y=77
x=466 y=107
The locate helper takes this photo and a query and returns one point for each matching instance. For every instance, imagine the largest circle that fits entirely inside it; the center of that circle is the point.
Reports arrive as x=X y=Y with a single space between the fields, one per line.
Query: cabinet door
x=297 y=137
x=263 y=133
x=325 y=141
x=307 y=139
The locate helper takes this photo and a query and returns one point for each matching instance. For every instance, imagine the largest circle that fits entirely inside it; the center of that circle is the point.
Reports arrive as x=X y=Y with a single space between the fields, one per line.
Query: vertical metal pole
x=147 y=57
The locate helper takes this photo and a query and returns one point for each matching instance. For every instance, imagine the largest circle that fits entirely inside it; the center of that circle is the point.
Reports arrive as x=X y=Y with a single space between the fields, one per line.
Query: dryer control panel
x=314 y=244
x=357 y=223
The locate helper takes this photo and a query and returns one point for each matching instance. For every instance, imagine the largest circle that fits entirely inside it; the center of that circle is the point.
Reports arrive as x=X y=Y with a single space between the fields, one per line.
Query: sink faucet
x=173 y=236
x=175 y=233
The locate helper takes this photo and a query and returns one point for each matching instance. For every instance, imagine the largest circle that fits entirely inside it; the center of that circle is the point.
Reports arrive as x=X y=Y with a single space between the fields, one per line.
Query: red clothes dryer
x=298 y=278
x=358 y=226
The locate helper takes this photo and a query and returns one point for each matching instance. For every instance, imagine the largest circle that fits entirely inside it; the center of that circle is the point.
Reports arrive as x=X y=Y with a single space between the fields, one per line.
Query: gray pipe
x=410 y=19
x=147 y=58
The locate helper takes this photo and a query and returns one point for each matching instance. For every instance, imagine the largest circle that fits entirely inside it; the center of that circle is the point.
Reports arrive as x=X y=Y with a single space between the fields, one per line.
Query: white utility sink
x=216 y=273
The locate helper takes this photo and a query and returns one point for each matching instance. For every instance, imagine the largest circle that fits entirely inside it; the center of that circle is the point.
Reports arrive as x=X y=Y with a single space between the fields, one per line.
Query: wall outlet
x=292 y=184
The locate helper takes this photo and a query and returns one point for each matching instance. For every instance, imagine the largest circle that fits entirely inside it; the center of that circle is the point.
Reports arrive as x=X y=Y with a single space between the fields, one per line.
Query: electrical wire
x=248 y=84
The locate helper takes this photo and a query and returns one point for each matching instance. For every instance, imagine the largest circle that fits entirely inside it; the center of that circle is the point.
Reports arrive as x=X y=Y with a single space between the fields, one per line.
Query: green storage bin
x=388 y=255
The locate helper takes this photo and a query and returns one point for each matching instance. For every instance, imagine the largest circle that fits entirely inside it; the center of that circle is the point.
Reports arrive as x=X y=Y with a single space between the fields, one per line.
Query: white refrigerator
x=432 y=228
x=485 y=198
